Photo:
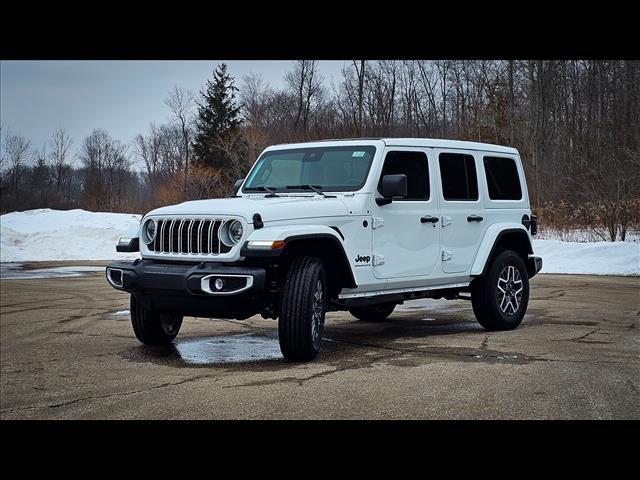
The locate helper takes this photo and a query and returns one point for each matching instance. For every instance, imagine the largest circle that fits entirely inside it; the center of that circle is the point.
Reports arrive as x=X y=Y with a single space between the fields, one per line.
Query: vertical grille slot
x=195 y=225
x=165 y=236
x=205 y=237
x=215 y=239
x=184 y=236
x=174 y=235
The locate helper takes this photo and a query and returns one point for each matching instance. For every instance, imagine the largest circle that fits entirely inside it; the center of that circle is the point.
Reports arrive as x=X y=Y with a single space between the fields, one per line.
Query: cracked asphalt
x=68 y=352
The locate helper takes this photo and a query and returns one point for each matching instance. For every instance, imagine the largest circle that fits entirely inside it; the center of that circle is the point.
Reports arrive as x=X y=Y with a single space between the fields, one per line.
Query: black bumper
x=189 y=289
x=535 y=265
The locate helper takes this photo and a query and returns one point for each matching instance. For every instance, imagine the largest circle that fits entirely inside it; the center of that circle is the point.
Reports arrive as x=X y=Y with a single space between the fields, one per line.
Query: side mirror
x=393 y=186
x=237 y=185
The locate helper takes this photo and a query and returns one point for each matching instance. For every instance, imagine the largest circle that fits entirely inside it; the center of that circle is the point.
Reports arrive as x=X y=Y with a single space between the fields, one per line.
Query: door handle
x=429 y=219
x=474 y=218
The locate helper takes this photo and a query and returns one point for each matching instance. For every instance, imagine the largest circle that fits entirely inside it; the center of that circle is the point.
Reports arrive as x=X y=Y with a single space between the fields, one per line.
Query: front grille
x=188 y=236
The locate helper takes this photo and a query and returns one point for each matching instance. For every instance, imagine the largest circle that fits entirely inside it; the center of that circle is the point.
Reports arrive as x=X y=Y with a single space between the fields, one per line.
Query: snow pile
x=45 y=234
x=596 y=258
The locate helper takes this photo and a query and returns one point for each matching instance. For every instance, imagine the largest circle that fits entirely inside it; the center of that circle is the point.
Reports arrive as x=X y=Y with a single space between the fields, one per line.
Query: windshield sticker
x=358 y=154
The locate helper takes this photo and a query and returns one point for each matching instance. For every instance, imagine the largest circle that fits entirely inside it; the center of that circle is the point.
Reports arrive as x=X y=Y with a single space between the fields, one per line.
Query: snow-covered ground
x=597 y=258
x=40 y=235
x=45 y=234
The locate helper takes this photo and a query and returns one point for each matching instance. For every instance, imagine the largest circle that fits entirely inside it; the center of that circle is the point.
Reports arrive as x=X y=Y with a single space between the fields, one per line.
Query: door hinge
x=446 y=255
x=377 y=222
x=378 y=260
x=446 y=221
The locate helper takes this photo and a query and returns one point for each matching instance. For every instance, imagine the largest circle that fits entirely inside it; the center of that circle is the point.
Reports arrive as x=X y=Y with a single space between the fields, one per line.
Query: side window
x=415 y=166
x=458 y=175
x=502 y=178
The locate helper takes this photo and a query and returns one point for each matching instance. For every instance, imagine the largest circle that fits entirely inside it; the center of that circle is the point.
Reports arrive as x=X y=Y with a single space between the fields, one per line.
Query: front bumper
x=190 y=289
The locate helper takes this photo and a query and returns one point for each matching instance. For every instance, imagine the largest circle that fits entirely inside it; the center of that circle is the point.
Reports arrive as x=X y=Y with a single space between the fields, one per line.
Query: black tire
x=153 y=328
x=493 y=309
x=373 y=313
x=302 y=309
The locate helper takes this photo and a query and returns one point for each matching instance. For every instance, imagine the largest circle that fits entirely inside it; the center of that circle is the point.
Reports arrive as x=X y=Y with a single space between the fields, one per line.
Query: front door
x=406 y=231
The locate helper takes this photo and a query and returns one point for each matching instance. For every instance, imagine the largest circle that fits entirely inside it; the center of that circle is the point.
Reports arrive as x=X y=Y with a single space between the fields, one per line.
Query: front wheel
x=302 y=310
x=500 y=298
x=151 y=327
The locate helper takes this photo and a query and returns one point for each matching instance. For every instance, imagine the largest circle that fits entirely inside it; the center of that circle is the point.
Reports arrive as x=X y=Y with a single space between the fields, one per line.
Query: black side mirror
x=237 y=185
x=393 y=186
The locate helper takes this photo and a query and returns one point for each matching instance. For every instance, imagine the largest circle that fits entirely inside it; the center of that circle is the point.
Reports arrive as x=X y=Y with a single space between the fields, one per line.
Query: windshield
x=331 y=169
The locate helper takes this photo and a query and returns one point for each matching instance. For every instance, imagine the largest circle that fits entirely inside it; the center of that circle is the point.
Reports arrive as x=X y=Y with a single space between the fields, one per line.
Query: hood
x=270 y=209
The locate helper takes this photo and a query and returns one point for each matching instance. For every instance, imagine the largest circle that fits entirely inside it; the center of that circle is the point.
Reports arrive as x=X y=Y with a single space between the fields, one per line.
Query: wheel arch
x=329 y=250
x=322 y=242
x=501 y=238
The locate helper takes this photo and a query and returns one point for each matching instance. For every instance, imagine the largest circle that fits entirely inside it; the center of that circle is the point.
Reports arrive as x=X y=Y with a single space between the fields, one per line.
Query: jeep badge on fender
x=447 y=217
x=363 y=259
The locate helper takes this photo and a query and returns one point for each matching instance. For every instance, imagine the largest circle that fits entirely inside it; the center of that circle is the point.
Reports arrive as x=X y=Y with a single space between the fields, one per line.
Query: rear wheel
x=302 y=310
x=151 y=327
x=373 y=313
x=500 y=298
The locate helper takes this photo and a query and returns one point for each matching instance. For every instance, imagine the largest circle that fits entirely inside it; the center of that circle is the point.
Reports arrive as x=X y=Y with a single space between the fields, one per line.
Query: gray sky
x=122 y=97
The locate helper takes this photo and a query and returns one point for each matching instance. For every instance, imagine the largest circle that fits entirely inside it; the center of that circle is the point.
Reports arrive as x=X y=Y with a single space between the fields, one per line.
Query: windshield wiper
x=315 y=188
x=261 y=188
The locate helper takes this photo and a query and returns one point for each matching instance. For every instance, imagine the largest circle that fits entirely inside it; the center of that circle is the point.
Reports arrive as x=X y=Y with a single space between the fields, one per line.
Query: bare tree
x=60 y=145
x=306 y=83
x=16 y=154
x=40 y=176
x=181 y=102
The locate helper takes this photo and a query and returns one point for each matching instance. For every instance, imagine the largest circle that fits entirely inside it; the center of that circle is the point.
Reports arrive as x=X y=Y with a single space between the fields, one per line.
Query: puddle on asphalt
x=14 y=271
x=228 y=349
x=220 y=350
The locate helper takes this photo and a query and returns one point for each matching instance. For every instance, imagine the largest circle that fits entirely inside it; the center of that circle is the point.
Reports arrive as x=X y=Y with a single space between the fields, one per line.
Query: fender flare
x=296 y=234
x=490 y=242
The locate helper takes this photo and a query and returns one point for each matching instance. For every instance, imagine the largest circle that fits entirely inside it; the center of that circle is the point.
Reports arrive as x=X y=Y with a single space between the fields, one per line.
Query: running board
x=344 y=296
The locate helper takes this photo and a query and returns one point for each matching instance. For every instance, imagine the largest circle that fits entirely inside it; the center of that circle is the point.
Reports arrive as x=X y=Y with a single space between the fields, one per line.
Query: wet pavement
x=17 y=271
x=68 y=351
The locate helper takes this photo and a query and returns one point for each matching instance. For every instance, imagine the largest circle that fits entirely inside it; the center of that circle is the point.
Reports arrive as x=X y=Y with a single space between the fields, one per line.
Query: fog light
x=219 y=284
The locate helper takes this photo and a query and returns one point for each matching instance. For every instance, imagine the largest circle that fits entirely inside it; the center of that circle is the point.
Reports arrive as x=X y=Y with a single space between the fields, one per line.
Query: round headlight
x=235 y=231
x=150 y=231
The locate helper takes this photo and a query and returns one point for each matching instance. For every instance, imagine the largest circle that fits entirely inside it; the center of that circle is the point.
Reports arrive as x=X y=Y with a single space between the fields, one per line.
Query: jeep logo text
x=365 y=259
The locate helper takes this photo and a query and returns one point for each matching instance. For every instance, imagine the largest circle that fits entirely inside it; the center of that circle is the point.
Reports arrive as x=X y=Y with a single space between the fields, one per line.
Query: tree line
x=576 y=124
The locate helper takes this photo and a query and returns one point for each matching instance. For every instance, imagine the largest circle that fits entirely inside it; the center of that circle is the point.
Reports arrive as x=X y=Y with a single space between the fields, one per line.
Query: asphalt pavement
x=67 y=351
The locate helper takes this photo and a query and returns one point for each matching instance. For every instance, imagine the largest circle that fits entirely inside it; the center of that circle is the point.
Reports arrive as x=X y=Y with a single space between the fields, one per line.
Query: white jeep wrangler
x=359 y=225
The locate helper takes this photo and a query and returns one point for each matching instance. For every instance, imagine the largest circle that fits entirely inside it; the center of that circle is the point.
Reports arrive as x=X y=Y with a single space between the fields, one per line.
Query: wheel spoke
x=517 y=304
x=502 y=302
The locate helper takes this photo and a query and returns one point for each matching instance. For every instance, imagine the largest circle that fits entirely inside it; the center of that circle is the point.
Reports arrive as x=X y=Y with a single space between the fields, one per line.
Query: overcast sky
x=122 y=97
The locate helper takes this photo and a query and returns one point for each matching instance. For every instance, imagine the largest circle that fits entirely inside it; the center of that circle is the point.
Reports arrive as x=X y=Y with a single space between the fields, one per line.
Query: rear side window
x=502 y=178
x=458 y=175
x=415 y=166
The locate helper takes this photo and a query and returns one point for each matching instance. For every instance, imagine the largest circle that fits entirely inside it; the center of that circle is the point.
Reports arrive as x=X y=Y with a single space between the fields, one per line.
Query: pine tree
x=218 y=117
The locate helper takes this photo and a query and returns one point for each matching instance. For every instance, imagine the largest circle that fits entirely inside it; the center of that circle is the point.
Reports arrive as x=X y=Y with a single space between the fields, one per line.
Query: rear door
x=462 y=213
